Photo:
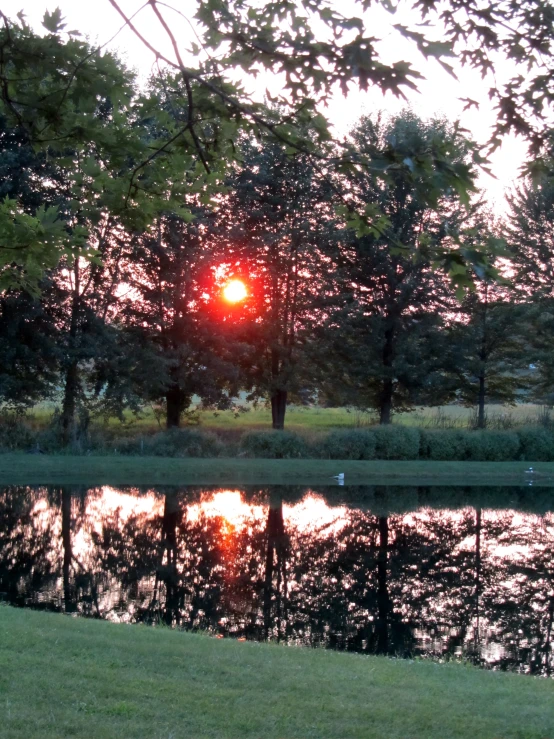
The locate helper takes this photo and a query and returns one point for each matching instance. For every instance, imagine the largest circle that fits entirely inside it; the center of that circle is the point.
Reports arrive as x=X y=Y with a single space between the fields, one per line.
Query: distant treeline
x=336 y=313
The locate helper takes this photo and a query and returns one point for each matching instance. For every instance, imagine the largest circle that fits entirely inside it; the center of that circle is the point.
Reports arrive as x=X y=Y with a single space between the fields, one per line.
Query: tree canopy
x=67 y=95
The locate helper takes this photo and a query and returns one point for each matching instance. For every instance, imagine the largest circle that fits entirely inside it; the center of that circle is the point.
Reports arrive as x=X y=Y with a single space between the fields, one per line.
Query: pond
x=443 y=573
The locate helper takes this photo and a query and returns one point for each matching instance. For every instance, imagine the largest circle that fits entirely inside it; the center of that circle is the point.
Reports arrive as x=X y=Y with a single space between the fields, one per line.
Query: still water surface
x=452 y=573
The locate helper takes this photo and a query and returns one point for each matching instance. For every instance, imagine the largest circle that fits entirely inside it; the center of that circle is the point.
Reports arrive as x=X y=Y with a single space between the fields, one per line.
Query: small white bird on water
x=339 y=478
x=530 y=471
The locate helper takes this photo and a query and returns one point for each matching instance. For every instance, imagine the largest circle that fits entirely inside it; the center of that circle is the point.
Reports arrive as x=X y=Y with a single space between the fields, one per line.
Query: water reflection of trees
x=473 y=582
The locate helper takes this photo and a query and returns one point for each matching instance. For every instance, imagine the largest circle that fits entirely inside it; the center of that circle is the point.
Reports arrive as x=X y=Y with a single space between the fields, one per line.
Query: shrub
x=492 y=446
x=396 y=442
x=347 y=444
x=273 y=445
x=536 y=445
x=14 y=433
x=176 y=443
x=122 y=445
x=444 y=445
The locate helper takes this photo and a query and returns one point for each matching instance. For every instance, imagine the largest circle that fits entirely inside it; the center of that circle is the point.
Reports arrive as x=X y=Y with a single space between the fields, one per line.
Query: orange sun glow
x=234 y=291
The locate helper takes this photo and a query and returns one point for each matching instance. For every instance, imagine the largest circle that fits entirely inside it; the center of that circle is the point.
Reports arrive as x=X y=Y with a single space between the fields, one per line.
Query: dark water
x=452 y=573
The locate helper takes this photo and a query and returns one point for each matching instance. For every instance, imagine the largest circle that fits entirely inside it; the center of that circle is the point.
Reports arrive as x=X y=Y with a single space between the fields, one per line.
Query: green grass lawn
x=64 y=677
x=29 y=469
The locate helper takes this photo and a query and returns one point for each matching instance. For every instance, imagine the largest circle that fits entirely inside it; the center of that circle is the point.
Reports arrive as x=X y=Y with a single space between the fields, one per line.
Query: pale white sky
x=439 y=93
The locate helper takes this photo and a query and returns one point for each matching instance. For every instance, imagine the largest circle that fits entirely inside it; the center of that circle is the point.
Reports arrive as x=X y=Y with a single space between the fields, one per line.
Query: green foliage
x=478 y=446
x=530 y=237
x=170 y=443
x=530 y=234
x=29 y=353
x=29 y=244
x=56 y=88
x=444 y=445
x=396 y=442
x=347 y=444
x=14 y=434
x=537 y=445
x=182 y=443
x=492 y=446
x=60 y=90
x=486 y=353
x=273 y=445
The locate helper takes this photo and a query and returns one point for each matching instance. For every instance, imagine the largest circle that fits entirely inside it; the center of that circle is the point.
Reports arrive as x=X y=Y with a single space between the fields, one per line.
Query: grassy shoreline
x=62 y=677
x=29 y=469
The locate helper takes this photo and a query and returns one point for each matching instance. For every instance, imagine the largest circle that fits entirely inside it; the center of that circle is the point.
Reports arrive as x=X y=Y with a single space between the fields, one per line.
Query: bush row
x=402 y=443
x=380 y=442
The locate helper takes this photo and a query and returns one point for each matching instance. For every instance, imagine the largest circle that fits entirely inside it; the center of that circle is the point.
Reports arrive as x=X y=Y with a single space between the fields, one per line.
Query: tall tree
x=273 y=223
x=173 y=289
x=81 y=107
x=29 y=351
x=529 y=232
x=385 y=332
x=487 y=350
x=530 y=235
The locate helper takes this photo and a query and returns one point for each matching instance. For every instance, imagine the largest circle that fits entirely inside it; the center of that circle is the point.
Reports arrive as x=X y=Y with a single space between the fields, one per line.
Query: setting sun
x=234 y=291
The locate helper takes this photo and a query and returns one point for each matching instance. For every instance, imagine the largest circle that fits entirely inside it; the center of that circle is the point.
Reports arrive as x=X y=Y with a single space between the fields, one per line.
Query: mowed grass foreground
x=64 y=677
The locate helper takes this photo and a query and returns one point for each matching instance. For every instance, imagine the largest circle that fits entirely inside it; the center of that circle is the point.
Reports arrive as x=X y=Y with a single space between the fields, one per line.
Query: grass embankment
x=28 y=469
x=62 y=677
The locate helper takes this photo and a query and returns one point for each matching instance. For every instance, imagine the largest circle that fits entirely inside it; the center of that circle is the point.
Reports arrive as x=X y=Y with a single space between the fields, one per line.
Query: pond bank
x=38 y=469
x=59 y=676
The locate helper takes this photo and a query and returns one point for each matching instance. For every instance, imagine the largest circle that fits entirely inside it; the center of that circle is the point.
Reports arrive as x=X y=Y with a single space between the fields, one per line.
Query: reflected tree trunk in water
x=478 y=530
x=168 y=572
x=383 y=598
x=547 y=646
x=275 y=579
x=69 y=594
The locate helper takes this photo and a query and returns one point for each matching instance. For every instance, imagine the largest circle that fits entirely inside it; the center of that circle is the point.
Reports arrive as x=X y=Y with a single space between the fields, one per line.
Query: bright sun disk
x=234 y=291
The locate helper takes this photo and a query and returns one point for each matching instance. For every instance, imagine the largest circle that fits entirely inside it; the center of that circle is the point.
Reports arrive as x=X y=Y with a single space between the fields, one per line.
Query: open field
x=314 y=418
x=63 y=677
x=29 y=469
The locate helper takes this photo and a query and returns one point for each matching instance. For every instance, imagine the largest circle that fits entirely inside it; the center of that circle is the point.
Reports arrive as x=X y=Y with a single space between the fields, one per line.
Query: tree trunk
x=383 y=600
x=175 y=401
x=547 y=645
x=72 y=375
x=69 y=406
x=278 y=409
x=481 y=421
x=385 y=411
x=68 y=590
x=385 y=405
x=483 y=357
